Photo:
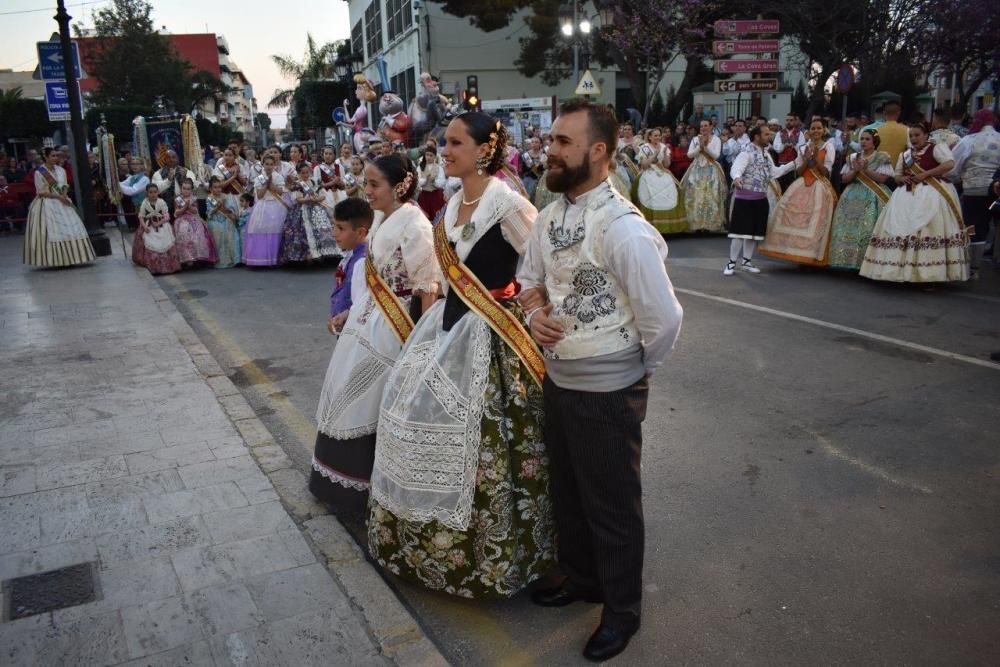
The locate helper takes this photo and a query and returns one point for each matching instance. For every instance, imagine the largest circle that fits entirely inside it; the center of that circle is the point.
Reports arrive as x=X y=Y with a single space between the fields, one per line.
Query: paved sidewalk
x=122 y=445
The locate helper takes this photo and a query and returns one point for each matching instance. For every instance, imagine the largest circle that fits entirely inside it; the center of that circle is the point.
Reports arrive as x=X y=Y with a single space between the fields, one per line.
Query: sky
x=255 y=29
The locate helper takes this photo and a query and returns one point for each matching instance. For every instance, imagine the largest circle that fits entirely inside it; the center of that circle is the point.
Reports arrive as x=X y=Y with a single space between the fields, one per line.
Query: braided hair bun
x=398 y=170
x=485 y=129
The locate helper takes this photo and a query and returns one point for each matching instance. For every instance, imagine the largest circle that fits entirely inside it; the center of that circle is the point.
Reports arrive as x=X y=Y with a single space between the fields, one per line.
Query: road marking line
x=869 y=468
x=299 y=424
x=840 y=327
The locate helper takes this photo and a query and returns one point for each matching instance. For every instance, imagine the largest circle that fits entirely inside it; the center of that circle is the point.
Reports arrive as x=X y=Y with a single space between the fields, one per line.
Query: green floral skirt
x=510 y=540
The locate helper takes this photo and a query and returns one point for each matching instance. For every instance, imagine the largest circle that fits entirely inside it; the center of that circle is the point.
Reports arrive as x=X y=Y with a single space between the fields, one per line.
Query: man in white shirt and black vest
x=601 y=306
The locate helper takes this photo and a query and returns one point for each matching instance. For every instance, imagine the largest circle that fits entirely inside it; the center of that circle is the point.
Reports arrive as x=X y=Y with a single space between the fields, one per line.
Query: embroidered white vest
x=589 y=300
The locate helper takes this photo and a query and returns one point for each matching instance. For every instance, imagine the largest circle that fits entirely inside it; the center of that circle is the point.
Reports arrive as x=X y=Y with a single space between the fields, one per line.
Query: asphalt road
x=821 y=466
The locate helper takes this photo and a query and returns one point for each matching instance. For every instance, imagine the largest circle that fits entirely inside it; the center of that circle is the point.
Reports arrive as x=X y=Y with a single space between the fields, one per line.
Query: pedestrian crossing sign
x=587 y=85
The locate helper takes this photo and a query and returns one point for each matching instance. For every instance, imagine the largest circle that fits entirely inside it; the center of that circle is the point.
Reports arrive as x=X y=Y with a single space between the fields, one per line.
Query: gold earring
x=482 y=163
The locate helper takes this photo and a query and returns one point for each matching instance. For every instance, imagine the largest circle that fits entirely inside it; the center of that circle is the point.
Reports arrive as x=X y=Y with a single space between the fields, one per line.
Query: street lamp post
x=579 y=26
x=95 y=230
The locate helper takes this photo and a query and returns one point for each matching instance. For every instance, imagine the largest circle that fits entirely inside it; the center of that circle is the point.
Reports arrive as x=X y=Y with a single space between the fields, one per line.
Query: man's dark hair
x=754 y=132
x=356 y=211
x=943 y=114
x=601 y=121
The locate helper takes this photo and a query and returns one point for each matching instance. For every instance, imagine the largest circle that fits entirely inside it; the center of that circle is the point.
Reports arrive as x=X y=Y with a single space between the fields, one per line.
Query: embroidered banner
x=397 y=317
x=481 y=302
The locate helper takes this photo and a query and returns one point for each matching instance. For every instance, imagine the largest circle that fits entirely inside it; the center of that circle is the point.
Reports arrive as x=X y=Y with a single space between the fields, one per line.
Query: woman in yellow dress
x=704 y=183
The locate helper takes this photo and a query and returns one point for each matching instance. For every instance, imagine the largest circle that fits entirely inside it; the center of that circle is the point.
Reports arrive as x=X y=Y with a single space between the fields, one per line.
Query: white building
x=413 y=36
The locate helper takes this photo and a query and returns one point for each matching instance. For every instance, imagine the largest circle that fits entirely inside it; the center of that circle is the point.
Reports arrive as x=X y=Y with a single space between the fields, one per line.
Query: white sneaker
x=730 y=269
x=748 y=267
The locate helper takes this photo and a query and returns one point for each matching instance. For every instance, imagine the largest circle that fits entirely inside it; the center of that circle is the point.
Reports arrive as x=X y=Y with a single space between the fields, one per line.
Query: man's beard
x=568 y=178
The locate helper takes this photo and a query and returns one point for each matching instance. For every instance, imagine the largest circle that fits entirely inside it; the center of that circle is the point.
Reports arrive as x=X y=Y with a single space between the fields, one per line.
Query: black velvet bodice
x=493 y=260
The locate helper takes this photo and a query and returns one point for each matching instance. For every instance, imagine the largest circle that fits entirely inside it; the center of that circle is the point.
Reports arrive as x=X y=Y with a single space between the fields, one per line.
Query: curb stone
x=396 y=632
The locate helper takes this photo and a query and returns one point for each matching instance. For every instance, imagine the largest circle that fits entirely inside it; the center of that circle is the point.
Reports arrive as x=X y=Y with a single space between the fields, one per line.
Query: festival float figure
x=395 y=124
x=364 y=92
x=427 y=110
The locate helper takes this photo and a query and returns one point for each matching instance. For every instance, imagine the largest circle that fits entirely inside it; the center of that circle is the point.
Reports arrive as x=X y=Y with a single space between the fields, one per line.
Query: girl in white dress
x=656 y=191
x=402 y=275
x=704 y=183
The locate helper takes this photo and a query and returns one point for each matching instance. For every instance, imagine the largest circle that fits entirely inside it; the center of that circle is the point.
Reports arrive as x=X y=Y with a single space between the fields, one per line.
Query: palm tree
x=316 y=64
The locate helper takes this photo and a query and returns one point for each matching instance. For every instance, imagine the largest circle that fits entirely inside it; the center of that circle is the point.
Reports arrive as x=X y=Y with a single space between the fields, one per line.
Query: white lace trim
x=427 y=470
x=337 y=478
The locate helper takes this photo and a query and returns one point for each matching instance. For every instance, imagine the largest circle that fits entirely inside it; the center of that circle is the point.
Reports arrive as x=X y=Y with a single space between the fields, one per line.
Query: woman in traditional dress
x=799 y=230
x=704 y=183
x=543 y=196
x=224 y=225
x=431 y=183
x=656 y=191
x=460 y=499
x=864 y=173
x=194 y=242
x=403 y=278
x=920 y=236
x=262 y=236
x=232 y=176
x=308 y=233
x=55 y=235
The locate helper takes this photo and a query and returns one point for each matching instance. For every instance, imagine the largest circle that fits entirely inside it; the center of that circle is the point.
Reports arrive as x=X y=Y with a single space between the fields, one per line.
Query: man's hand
x=738 y=183
x=544 y=329
x=530 y=299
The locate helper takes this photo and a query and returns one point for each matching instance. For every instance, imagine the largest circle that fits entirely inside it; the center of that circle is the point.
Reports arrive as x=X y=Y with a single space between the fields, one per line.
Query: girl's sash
x=386 y=300
x=872 y=185
x=479 y=300
x=712 y=161
x=54 y=185
x=936 y=184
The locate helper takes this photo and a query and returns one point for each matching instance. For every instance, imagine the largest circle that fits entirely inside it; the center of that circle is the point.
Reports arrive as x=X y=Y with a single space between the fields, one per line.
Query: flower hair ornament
x=484 y=161
x=403 y=186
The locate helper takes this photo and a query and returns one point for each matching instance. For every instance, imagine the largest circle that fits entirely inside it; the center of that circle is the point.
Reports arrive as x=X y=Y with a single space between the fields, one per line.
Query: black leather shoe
x=608 y=641
x=562 y=596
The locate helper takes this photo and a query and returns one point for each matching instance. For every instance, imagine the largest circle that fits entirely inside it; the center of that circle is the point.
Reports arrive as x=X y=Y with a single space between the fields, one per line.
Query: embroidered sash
x=323 y=172
x=54 y=185
x=394 y=312
x=870 y=183
x=936 y=184
x=479 y=300
x=236 y=187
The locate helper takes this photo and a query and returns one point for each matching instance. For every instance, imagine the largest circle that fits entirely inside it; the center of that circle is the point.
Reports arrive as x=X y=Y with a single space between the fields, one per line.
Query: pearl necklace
x=470 y=203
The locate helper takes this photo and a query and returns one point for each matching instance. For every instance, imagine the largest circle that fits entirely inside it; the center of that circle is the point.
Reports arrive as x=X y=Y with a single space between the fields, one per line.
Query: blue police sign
x=50 y=61
x=57 y=100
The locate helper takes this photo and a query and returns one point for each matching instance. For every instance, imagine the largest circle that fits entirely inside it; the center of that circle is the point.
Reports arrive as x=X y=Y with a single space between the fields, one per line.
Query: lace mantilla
x=425 y=461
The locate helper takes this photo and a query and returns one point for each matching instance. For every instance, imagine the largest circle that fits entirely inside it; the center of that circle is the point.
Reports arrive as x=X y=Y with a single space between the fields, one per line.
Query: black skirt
x=976 y=213
x=749 y=219
x=341 y=473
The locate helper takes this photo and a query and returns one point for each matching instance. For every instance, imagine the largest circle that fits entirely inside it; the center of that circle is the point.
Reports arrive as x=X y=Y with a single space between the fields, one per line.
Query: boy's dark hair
x=152 y=185
x=247 y=197
x=602 y=122
x=356 y=211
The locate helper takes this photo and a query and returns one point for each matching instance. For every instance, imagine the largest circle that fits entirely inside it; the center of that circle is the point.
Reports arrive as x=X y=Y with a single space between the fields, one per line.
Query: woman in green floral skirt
x=460 y=499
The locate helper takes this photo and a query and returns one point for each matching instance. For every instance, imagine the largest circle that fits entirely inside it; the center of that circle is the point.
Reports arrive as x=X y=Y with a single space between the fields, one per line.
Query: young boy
x=352 y=220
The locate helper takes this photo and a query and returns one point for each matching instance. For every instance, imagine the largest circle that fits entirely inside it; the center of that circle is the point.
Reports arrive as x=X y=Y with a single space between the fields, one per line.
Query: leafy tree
x=22 y=118
x=264 y=121
x=134 y=64
x=646 y=38
x=316 y=64
x=118 y=118
x=800 y=100
x=314 y=102
x=963 y=40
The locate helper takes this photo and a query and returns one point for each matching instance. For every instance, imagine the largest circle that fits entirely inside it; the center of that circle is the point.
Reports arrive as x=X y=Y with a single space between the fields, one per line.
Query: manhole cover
x=48 y=591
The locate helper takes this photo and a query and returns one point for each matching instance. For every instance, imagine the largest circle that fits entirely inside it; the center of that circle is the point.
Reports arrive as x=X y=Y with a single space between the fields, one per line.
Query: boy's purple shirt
x=340 y=299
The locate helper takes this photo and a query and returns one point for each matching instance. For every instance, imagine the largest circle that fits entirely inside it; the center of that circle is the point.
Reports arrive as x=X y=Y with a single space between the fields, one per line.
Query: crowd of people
x=875 y=197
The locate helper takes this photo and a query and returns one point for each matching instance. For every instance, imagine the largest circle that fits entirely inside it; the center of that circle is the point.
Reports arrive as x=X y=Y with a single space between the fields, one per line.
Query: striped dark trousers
x=594 y=441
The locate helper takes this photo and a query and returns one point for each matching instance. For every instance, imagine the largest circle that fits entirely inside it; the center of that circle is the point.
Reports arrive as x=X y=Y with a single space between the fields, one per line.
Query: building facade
x=206 y=52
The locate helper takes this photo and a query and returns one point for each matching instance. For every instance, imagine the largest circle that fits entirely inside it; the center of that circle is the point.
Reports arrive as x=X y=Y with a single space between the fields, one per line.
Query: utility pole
x=576 y=41
x=81 y=173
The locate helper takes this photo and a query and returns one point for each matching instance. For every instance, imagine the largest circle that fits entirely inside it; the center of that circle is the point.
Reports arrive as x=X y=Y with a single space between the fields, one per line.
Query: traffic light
x=471 y=96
